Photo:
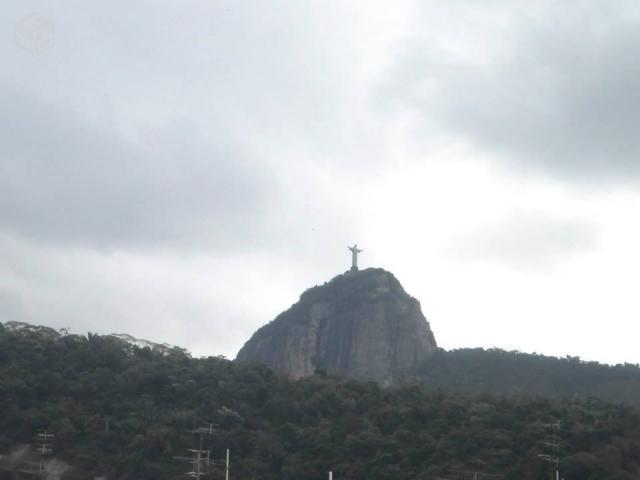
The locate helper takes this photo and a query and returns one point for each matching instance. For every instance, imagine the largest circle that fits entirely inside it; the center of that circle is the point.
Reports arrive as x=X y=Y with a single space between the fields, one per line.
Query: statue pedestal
x=354 y=269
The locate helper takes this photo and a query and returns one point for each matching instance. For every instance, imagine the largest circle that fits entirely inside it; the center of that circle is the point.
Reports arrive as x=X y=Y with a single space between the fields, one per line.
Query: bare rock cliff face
x=359 y=325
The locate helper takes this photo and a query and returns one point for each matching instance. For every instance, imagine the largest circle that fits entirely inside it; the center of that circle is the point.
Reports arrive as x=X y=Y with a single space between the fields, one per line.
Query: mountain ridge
x=52 y=333
x=126 y=413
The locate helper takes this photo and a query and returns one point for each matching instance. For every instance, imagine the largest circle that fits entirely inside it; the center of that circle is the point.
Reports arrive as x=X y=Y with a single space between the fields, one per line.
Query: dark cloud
x=165 y=169
x=174 y=125
x=555 y=92
x=66 y=180
x=181 y=171
x=528 y=240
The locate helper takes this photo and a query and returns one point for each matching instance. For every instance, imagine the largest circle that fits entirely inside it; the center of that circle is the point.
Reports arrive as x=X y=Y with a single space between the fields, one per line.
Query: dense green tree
x=126 y=413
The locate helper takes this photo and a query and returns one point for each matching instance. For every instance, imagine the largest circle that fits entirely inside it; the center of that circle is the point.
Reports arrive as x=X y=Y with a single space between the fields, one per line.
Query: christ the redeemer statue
x=354 y=257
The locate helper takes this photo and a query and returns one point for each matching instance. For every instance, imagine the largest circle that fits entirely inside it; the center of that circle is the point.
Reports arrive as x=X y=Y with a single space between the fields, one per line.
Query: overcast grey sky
x=182 y=171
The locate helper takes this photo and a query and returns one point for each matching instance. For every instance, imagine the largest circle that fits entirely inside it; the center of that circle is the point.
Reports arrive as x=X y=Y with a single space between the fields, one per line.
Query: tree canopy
x=127 y=413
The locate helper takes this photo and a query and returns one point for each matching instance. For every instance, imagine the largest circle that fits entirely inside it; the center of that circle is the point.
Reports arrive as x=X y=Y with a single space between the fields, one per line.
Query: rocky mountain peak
x=361 y=324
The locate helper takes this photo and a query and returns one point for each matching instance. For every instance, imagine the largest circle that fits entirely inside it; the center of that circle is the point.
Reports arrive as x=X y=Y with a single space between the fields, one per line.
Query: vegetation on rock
x=498 y=371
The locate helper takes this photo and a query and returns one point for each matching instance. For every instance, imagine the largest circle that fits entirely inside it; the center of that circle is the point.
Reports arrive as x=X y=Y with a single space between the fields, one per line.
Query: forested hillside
x=124 y=412
x=497 y=371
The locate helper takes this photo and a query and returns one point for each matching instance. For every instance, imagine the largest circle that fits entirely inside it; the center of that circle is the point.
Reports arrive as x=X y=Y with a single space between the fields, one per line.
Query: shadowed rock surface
x=359 y=325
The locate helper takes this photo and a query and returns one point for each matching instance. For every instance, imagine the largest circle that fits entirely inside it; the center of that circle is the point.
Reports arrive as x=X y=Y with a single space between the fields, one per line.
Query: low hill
x=476 y=370
x=125 y=412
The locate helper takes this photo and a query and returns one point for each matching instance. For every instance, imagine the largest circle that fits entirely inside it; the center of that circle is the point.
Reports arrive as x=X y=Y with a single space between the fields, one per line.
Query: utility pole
x=43 y=445
x=226 y=474
x=200 y=458
x=553 y=442
x=43 y=442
